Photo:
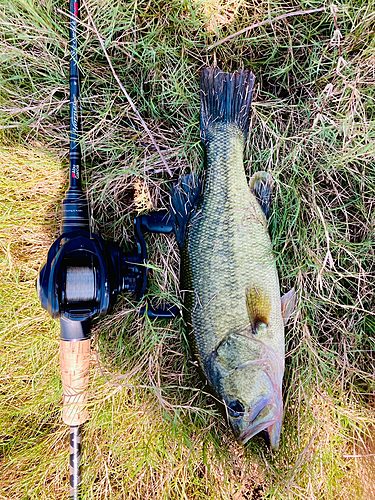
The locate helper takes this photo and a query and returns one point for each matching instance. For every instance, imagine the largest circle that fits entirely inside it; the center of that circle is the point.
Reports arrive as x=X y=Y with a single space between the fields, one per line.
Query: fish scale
x=229 y=247
x=232 y=304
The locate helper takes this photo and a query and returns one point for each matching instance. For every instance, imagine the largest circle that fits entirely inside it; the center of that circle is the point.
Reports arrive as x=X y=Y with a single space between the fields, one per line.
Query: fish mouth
x=267 y=417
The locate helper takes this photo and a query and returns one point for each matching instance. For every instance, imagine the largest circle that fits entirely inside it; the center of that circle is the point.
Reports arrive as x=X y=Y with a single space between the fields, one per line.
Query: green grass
x=154 y=433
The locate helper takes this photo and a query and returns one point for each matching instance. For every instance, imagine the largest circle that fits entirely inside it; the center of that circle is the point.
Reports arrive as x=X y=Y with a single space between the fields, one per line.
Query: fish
x=233 y=311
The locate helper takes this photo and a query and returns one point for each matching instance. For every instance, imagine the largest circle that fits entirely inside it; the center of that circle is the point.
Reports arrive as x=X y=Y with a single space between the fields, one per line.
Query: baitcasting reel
x=84 y=274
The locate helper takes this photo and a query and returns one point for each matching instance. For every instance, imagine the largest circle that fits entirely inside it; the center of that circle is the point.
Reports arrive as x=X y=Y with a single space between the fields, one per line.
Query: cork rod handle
x=75 y=366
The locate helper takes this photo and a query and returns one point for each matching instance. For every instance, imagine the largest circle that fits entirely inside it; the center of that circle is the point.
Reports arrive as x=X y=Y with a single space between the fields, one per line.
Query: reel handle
x=75 y=365
x=154 y=222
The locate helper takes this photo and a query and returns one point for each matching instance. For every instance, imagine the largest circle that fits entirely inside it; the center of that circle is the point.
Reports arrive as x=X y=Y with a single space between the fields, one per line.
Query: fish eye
x=236 y=409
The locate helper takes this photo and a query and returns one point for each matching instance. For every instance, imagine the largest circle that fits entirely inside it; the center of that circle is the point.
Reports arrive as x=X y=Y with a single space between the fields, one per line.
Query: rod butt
x=75 y=462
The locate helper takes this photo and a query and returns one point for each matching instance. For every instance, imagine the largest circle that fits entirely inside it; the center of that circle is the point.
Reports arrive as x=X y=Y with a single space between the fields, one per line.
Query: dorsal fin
x=183 y=199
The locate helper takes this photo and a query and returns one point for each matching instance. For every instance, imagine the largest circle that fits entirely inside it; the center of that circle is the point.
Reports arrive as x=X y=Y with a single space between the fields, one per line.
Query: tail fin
x=225 y=98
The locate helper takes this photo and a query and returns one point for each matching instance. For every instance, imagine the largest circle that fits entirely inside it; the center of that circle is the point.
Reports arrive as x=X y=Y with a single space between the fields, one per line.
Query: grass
x=154 y=433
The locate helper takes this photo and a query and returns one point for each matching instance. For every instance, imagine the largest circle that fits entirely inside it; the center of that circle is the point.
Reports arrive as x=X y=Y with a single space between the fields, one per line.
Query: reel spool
x=80 y=284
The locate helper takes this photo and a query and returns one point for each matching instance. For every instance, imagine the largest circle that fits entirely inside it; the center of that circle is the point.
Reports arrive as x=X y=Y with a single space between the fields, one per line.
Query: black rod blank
x=75 y=184
x=75 y=206
x=75 y=461
x=75 y=147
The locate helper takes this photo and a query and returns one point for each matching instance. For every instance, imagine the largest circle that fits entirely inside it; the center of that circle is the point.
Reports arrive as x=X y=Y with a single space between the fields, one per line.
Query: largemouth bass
x=232 y=304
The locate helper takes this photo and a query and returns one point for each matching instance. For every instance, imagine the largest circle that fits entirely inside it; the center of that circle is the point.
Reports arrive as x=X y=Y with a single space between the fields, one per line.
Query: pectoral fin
x=261 y=184
x=258 y=307
x=183 y=199
x=288 y=304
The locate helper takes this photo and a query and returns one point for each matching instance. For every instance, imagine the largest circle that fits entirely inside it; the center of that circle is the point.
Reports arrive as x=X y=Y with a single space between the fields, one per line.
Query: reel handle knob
x=154 y=222
x=167 y=312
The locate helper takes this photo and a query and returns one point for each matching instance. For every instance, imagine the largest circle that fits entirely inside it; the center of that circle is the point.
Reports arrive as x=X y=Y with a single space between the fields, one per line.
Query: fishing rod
x=84 y=274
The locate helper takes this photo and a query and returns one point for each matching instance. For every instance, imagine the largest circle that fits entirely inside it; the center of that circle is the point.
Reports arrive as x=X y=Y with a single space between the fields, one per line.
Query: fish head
x=247 y=376
x=254 y=408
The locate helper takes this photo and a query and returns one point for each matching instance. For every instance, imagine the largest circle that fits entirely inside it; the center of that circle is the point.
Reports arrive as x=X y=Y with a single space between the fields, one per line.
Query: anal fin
x=183 y=199
x=261 y=184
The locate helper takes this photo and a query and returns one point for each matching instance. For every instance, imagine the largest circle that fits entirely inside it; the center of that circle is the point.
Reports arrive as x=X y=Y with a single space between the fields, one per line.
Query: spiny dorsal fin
x=261 y=184
x=259 y=308
x=183 y=199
